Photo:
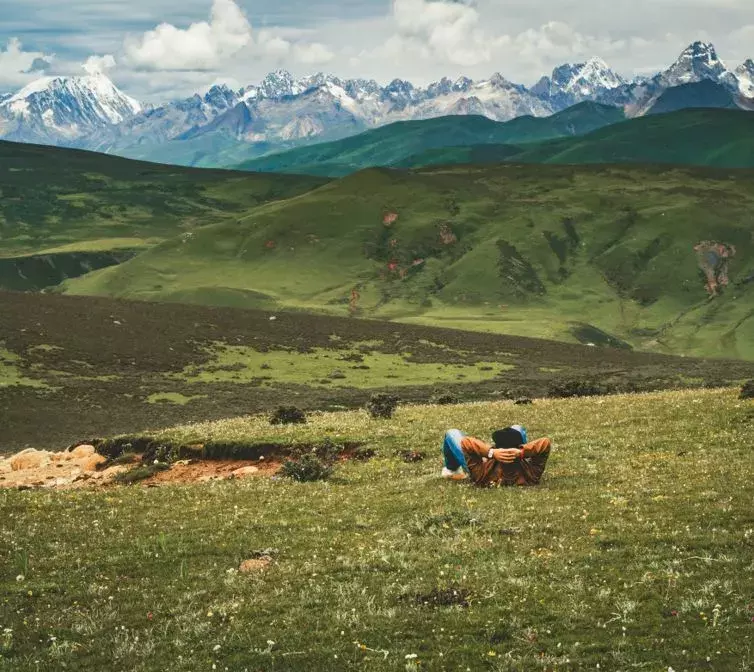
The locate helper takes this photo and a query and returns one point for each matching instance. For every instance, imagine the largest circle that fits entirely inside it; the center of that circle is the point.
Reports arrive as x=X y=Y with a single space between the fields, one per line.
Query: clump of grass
x=140 y=473
x=453 y=596
x=288 y=415
x=122 y=460
x=446 y=400
x=307 y=469
x=576 y=388
x=382 y=406
x=747 y=391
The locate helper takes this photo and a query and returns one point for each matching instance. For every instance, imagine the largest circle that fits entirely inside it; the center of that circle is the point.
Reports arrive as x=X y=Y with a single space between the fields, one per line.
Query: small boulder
x=30 y=459
x=255 y=565
x=82 y=451
x=243 y=472
x=91 y=462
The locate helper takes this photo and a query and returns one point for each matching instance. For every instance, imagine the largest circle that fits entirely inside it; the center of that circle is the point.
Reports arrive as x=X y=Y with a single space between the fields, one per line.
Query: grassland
x=531 y=250
x=60 y=202
x=696 y=137
x=75 y=368
x=391 y=145
x=584 y=134
x=634 y=553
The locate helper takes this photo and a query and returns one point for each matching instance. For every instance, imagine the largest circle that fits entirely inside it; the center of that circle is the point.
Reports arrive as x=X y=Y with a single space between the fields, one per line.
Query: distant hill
x=707 y=94
x=65 y=211
x=700 y=137
x=392 y=145
x=601 y=254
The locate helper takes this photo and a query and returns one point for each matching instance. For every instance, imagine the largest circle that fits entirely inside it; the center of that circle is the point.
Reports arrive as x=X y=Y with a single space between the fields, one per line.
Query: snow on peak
x=745 y=75
x=698 y=61
x=90 y=96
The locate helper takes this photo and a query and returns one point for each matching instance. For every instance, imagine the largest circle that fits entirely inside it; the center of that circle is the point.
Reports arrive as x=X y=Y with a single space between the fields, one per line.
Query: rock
x=82 y=451
x=92 y=462
x=30 y=459
x=243 y=472
x=255 y=565
x=110 y=473
x=5 y=467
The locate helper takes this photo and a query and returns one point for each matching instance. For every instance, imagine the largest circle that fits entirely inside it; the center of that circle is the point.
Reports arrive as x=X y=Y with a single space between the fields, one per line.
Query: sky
x=157 y=50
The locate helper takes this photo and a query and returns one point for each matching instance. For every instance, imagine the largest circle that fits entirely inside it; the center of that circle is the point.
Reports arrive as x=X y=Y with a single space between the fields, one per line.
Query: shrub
x=382 y=406
x=575 y=388
x=747 y=391
x=140 y=473
x=288 y=415
x=307 y=469
x=446 y=400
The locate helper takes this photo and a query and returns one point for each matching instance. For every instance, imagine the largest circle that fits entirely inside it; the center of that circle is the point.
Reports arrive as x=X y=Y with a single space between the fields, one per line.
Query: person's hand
x=507 y=455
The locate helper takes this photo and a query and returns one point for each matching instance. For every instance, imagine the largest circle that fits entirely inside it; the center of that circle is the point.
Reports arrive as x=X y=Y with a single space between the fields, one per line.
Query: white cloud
x=312 y=54
x=439 y=30
x=18 y=67
x=96 y=65
x=205 y=45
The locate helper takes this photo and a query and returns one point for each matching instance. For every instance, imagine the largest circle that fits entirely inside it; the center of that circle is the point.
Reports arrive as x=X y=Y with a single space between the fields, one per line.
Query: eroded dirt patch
x=142 y=461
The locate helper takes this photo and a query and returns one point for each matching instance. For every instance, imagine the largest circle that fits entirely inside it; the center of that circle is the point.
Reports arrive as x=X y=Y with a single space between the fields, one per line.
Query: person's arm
x=536 y=454
x=474 y=446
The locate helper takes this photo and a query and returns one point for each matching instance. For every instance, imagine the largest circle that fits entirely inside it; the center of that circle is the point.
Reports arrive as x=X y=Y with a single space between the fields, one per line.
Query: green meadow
x=634 y=553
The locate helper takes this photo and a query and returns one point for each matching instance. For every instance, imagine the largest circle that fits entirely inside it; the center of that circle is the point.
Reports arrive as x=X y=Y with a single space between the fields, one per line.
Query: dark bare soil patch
x=453 y=596
x=95 y=361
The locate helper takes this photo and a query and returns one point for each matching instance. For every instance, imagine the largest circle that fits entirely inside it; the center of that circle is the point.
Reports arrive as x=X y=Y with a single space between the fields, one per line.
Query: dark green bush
x=140 y=473
x=382 y=406
x=288 y=415
x=307 y=469
x=747 y=391
x=446 y=400
x=575 y=388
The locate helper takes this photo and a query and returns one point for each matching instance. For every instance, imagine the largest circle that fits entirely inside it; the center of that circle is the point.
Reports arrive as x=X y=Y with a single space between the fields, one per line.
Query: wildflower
x=411 y=656
x=216 y=647
x=20 y=577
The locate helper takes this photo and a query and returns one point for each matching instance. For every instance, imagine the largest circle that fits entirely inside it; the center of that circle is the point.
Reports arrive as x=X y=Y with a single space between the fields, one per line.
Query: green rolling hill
x=392 y=144
x=600 y=254
x=65 y=211
x=703 y=137
x=704 y=94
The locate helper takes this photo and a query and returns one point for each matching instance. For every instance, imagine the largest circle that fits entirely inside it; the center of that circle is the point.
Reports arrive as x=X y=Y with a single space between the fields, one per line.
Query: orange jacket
x=487 y=472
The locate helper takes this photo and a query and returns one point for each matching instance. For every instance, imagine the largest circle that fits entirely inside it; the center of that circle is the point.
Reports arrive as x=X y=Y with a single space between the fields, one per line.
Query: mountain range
x=225 y=127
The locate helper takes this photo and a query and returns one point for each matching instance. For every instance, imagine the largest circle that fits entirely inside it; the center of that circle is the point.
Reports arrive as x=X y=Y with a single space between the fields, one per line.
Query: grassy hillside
x=62 y=201
x=72 y=368
x=630 y=554
x=715 y=137
x=390 y=145
x=704 y=137
x=547 y=251
x=704 y=94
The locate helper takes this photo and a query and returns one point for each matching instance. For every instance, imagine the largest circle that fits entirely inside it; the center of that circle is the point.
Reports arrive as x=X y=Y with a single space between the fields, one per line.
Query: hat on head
x=510 y=437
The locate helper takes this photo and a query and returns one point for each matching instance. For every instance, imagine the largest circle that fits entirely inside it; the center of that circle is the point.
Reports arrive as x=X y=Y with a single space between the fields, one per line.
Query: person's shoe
x=457 y=475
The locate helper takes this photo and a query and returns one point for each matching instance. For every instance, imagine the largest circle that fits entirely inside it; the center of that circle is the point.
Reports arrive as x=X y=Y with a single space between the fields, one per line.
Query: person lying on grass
x=510 y=460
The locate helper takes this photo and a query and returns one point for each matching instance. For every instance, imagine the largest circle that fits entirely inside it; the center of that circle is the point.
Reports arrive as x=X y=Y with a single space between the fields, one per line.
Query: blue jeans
x=452 y=451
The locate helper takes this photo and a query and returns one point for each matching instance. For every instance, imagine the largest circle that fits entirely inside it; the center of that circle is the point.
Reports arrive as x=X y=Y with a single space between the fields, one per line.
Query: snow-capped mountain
x=570 y=84
x=745 y=75
x=282 y=111
x=697 y=63
x=67 y=108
